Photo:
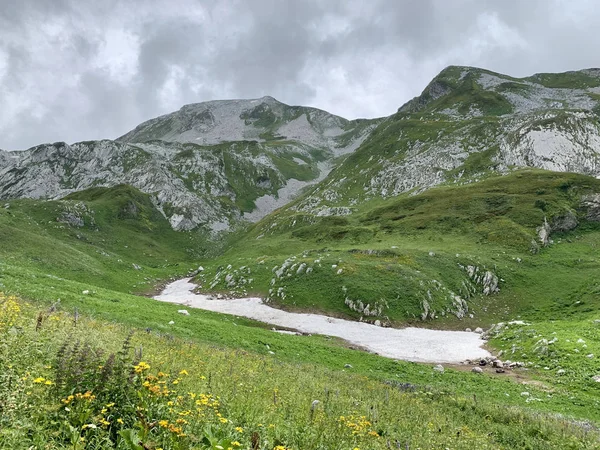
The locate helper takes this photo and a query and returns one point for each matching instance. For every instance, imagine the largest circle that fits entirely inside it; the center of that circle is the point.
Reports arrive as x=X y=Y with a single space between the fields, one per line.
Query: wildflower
x=39 y=380
x=163 y=423
x=183 y=372
x=104 y=422
x=223 y=420
x=236 y=444
x=88 y=425
x=174 y=429
x=110 y=405
x=48 y=383
x=239 y=429
x=271 y=425
x=141 y=367
x=373 y=433
x=120 y=421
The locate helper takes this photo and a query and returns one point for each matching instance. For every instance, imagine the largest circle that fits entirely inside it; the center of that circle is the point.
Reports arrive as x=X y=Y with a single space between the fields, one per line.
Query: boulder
x=184 y=312
x=477 y=370
x=497 y=364
x=439 y=368
x=591 y=203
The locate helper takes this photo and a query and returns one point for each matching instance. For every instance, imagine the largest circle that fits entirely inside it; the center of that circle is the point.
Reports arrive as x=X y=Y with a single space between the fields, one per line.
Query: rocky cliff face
x=210 y=164
x=216 y=163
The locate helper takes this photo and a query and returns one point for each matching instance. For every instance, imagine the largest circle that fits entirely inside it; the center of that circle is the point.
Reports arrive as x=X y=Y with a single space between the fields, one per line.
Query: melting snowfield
x=410 y=344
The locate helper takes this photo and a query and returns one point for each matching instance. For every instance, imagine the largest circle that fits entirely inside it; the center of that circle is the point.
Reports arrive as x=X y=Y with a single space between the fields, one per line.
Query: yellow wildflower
x=223 y=420
x=239 y=429
x=39 y=380
x=183 y=372
x=141 y=367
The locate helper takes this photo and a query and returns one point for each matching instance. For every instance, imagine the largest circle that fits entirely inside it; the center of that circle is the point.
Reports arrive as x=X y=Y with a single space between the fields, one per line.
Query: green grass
x=410 y=249
x=120 y=229
x=261 y=396
x=390 y=252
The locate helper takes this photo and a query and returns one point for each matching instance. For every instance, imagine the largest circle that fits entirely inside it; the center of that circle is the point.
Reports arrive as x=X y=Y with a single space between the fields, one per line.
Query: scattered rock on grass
x=439 y=368
x=183 y=311
x=477 y=370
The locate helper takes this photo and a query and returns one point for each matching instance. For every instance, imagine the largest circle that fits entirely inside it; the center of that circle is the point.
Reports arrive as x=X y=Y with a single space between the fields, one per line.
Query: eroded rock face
x=560 y=223
x=591 y=204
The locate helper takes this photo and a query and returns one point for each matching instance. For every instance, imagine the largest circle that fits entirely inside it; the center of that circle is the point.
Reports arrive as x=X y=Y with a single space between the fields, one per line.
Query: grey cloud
x=63 y=81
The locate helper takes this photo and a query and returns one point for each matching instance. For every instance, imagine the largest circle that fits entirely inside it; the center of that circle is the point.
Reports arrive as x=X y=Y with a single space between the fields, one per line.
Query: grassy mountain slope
x=409 y=257
x=102 y=236
x=466 y=125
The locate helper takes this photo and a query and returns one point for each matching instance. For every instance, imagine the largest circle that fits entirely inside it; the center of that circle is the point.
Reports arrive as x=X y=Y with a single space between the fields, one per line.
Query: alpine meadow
x=249 y=274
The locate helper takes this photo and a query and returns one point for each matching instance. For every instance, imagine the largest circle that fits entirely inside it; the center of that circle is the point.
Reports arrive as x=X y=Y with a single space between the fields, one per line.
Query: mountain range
x=219 y=165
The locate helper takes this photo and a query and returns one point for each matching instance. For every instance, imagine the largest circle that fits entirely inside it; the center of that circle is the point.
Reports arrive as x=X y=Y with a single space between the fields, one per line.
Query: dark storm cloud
x=73 y=70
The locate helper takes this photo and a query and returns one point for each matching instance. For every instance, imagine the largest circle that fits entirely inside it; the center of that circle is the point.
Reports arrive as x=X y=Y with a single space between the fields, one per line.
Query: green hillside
x=476 y=205
x=103 y=236
x=409 y=256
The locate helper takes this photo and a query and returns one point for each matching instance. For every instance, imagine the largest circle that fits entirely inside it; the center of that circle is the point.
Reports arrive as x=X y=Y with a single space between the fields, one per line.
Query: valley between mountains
x=464 y=230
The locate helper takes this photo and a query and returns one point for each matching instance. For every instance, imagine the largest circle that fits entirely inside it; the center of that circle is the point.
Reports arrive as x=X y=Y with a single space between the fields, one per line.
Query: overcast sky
x=75 y=70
